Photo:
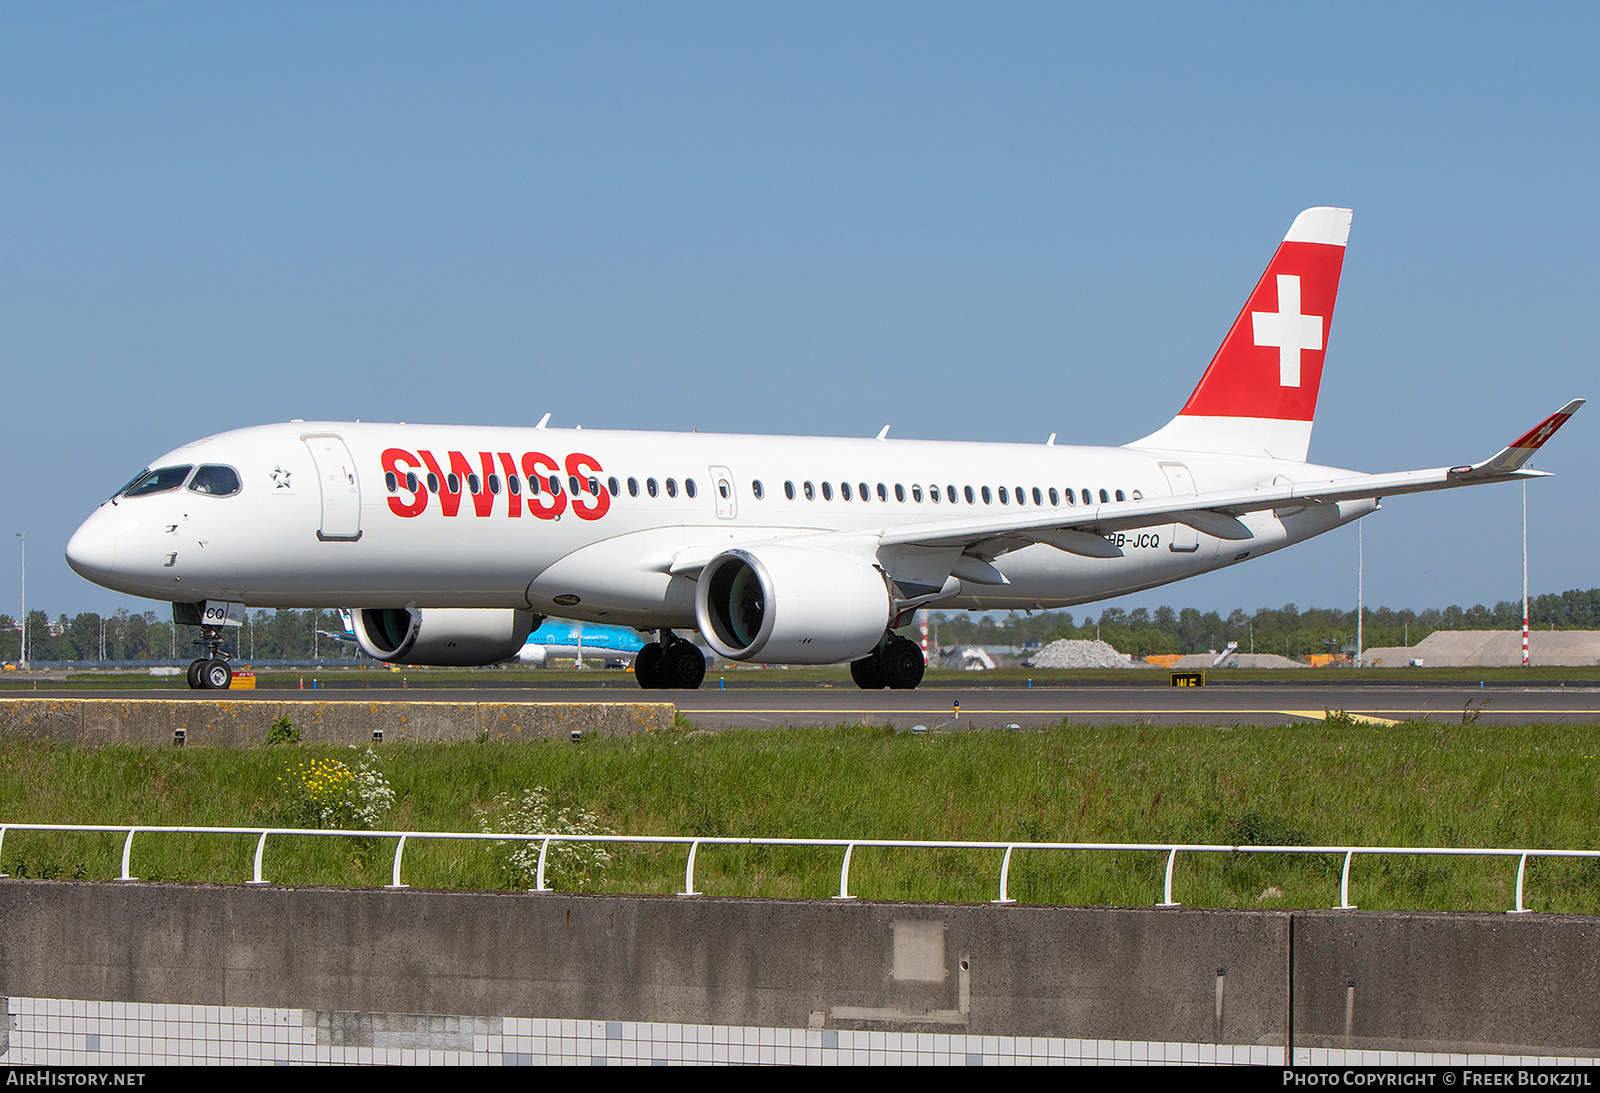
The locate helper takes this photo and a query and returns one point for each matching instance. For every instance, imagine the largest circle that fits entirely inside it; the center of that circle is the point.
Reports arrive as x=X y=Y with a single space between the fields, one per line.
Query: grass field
x=1333 y=783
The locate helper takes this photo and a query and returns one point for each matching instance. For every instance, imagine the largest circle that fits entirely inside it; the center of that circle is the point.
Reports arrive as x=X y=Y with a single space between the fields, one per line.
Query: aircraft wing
x=1082 y=531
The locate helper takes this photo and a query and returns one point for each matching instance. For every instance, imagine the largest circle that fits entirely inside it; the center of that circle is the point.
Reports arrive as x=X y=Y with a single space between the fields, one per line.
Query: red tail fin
x=1259 y=394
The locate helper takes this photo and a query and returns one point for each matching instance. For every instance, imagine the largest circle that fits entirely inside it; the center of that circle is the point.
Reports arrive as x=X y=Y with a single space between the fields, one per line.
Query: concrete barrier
x=242 y=722
x=1495 y=984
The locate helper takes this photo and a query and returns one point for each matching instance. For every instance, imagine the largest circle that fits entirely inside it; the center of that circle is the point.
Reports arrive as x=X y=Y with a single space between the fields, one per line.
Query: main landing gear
x=669 y=664
x=212 y=672
x=896 y=663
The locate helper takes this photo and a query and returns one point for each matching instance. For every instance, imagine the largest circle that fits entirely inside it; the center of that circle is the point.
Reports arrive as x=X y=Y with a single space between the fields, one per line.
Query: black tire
x=868 y=672
x=216 y=675
x=195 y=683
x=648 y=668
x=685 y=666
x=902 y=664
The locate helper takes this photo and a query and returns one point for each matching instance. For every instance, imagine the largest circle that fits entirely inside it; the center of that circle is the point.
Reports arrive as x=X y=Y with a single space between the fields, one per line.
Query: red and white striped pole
x=924 y=637
x=1524 y=573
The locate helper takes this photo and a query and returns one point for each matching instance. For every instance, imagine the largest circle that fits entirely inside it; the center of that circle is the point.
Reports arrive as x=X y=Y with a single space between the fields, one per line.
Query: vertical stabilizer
x=1259 y=394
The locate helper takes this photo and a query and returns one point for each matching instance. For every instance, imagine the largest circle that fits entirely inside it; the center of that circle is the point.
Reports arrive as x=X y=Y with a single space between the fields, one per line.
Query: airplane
x=451 y=543
x=559 y=638
x=553 y=638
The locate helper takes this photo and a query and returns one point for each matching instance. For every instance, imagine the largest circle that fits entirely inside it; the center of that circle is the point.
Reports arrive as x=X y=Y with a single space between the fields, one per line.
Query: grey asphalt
x=935 y=706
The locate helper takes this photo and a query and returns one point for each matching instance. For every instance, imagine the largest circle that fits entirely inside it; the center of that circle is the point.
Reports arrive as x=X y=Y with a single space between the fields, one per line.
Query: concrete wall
x=1478 y=983
x=239 y=722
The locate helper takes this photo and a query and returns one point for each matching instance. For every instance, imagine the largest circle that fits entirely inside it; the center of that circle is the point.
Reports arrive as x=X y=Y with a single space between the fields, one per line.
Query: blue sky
x=970 y=221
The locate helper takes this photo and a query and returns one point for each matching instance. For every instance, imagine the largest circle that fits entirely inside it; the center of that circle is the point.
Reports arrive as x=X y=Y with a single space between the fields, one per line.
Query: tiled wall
x=49 y=1031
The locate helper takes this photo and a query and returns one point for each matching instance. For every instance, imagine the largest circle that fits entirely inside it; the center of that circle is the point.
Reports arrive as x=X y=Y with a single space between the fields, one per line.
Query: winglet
x=1519 y=451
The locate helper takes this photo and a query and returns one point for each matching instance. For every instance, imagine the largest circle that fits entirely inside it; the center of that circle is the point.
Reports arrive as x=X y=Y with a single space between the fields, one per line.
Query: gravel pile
x=1080 y=654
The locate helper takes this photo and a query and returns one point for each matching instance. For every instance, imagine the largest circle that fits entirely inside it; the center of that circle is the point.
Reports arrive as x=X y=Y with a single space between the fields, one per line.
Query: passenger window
x=633 y=487
x=811 y=492
x=472 y=484
x=1137 y=496
x=494 y=484
x=554 y=482
x=988 y=498
x=672 y=487
x=844 y=490
x=899 y=493
x=573 y=485
x=970 y=498
x=1055 y=498
x=453 y=482
x=916 y=493
x=722 y=488
x=533 y=486
x=788 y=490
x=756 y=488
x=690 y=488
x=865 y=494
x=1087 y=499
x=933 y=494
x=1072 y=497
x=514 y=484
x=950 y=493
x=1004 y=497
x=411 y=481
x=433 y=483
x=883 y=492
x=1120 y=496
x=650 y=486
x=1105 y=498
x=614 y=486
x=827 y=491
x=1038 y=498
x=389 y=480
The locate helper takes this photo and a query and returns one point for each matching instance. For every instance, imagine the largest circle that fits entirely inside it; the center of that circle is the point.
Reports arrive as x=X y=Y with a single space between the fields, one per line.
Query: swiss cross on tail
x=1270 y=364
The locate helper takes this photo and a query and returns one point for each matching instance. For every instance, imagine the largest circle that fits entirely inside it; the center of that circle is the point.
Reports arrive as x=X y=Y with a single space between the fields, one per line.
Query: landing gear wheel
x=902 y=664
x=216 y=675
x=684 y=666
x=648 y=668
x=194 y=675
x=868 y=672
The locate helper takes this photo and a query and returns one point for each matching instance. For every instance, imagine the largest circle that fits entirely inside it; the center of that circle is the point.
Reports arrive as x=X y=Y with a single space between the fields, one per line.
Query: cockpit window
x=216 y=480
x=159 y=480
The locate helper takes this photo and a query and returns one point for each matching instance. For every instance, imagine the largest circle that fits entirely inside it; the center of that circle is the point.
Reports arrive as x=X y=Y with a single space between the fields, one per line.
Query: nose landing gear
x=212 y=672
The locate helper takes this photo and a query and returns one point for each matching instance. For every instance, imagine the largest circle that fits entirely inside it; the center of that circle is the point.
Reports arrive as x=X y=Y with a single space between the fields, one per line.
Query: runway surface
x=935 y=706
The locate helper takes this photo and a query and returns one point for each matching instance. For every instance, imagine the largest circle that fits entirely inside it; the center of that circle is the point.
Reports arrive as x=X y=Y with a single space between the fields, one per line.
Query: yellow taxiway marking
x=1322 y=715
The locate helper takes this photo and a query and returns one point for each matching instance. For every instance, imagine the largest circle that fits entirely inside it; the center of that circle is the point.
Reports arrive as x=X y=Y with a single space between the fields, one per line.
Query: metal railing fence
x=694 y=843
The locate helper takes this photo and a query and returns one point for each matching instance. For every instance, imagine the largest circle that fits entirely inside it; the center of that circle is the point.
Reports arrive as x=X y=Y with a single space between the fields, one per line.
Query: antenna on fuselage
x=543 y=421
x=1051 y=443
x=883 y=433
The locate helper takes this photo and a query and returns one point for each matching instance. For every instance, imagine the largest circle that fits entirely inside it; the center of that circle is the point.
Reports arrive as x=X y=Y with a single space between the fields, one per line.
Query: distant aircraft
x=558 y=638
x=452 y=542
x=553 y=638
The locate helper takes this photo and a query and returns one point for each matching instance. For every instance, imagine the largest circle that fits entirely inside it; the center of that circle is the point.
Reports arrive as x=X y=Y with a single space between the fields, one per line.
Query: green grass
x=1415 y=784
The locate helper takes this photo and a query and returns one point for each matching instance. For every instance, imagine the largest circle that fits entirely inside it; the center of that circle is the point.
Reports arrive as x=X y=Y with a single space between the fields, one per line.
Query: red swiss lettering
x=397 y=461
x=584 y=468
x=547 y=504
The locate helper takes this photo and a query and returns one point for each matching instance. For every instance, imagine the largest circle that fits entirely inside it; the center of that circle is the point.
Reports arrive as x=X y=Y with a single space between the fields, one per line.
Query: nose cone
x=92 y=550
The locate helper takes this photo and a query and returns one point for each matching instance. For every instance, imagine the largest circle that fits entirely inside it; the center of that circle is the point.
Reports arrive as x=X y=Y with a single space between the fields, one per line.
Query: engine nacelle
x=442 y=636
x=791 y=605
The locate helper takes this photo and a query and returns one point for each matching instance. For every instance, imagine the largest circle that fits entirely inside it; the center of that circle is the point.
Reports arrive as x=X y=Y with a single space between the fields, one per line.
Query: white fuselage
x=315 y=521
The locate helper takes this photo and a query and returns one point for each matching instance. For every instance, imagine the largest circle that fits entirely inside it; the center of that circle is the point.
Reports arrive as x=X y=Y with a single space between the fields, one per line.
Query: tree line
x=1287 y=630
x=268 y=635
